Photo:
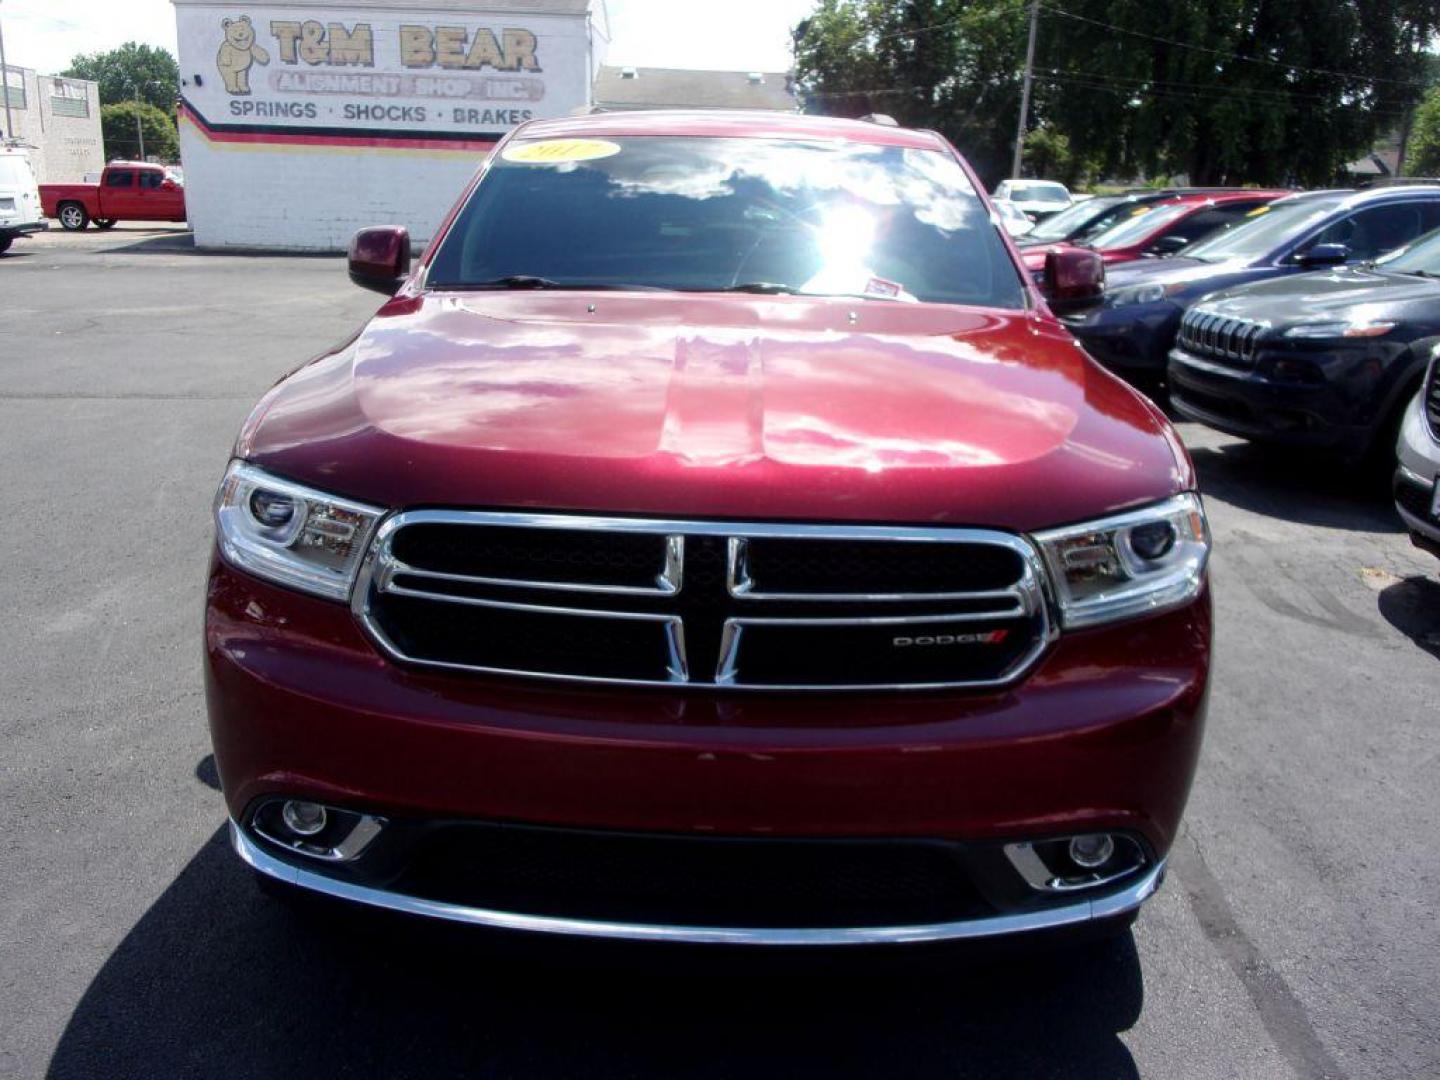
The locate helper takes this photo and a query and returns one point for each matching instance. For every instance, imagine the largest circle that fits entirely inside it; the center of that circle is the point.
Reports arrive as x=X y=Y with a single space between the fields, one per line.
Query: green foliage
x=1048 y=154
x=1223 y=91
x=121 y=72
x=1423 y=156
x=117 y=125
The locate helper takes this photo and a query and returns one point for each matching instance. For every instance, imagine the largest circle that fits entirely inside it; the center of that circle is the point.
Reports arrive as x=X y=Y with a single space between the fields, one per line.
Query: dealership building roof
x=680 y=88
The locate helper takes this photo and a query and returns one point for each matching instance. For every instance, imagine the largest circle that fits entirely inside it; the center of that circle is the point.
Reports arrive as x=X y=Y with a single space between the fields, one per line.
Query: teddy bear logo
x=237 y=52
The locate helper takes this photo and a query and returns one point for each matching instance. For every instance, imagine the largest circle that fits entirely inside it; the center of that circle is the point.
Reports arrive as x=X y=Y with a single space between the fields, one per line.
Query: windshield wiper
x=532 y=281
x=767 y=287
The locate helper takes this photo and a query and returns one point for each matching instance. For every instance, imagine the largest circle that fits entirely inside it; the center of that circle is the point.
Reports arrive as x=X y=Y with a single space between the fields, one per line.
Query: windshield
x=1421 y=256
x=1077 y=219
x=1041 y=193
x=1134 y=229
x=736 y=214
x=1263 y=230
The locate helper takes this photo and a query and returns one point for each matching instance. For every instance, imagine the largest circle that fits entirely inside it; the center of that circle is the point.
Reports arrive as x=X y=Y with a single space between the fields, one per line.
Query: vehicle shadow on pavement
x=216 y=979
x=1412 y=606
x=1303 y=488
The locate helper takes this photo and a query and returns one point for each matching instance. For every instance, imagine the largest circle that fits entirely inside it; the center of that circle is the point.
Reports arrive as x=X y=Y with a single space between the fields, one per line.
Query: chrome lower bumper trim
x=1075 y=914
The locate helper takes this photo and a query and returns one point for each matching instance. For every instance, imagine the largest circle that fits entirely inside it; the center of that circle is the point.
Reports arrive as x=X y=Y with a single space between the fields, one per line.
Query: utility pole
x=5 y=88
x=139 y=131
x=1025 y=90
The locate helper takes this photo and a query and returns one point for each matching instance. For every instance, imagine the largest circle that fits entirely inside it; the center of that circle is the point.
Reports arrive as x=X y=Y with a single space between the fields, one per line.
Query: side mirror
x=167 y=184
x=1324 y=255
x=1167 y=246
x=1074 y=278
x=380 y=258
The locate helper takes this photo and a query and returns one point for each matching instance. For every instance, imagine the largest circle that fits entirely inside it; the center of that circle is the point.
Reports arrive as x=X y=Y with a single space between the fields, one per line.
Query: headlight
x=290 y=534
x=1317 y=331
x=1141 y=294
x=1132 y=564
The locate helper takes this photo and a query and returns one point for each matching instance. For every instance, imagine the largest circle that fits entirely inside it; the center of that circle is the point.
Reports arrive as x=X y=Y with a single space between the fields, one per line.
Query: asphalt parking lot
x=1297 y=935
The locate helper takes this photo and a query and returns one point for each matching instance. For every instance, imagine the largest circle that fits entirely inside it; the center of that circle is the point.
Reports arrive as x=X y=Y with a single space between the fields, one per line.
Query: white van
x=20 y=210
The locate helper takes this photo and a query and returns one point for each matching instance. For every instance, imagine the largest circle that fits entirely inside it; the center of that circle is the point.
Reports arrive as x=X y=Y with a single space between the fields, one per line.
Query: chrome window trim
x=1068 y=915
x=1031 y=592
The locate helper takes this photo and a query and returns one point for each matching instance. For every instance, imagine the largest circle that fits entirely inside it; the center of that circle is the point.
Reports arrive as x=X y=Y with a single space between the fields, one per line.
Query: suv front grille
x=1432 y=397
x=1224 y=340
x=742 y=606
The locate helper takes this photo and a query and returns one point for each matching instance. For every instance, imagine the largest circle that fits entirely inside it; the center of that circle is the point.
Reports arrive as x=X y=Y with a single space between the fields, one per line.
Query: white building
x=59 y=118
x=302 y=122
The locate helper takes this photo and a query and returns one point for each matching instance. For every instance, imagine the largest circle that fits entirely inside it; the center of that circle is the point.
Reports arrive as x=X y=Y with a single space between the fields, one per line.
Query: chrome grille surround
x=1228 y=340
x=1430 y=394
x=1027 y=598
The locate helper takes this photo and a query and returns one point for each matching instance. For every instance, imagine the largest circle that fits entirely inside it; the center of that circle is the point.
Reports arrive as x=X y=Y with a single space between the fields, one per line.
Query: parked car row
x=1307 y=319
x=1308 y=323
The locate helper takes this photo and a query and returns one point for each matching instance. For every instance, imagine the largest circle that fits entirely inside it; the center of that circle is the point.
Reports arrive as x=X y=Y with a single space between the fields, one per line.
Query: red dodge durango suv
x=715 y=537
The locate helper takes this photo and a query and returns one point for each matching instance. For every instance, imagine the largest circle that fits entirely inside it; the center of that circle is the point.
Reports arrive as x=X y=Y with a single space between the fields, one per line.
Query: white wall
x=67 y=146
x=347 y=117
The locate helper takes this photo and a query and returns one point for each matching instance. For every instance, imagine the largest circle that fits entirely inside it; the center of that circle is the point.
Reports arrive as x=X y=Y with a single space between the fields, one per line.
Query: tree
x=1423 y=158
x=1224 y=91
x=132 y=68
x=117 y=125
x=952 y=65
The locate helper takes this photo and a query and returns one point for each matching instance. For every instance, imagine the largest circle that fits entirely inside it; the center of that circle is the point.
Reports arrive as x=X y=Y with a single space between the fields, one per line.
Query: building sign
x=446 y=74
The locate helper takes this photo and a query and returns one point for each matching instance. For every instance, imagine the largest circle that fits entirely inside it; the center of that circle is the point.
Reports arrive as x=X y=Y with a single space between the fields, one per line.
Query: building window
x=69 y=99
x=15 y=87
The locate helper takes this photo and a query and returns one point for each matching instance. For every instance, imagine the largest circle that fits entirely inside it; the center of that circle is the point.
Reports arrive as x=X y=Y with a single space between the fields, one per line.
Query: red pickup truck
x=128 y=191
x=715 y=537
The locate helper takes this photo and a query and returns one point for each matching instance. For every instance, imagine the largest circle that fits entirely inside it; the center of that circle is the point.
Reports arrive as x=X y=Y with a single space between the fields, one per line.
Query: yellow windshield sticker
x=1258 y=211
x=560 y=151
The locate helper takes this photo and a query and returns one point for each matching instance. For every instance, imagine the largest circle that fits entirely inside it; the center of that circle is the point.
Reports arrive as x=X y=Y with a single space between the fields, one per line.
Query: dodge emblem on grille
x=992 y=637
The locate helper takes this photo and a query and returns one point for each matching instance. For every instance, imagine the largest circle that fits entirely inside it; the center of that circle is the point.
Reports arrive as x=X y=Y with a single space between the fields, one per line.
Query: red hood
x=753 y=407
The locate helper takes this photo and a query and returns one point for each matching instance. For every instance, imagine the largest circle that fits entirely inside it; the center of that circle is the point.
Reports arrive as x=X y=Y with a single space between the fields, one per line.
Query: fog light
x=306 y=818
x=1091 y=852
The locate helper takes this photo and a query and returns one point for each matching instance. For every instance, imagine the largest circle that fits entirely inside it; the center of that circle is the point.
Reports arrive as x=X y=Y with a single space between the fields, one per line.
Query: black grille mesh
x=567 y=556
x=790 y=565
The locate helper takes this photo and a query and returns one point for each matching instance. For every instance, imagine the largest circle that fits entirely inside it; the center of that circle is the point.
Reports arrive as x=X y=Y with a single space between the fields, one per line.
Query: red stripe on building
x=288 y=137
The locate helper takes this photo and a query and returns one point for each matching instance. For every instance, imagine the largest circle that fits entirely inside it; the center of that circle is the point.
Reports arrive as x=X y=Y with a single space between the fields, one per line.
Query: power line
x=1232 y=55
x=1163 y=94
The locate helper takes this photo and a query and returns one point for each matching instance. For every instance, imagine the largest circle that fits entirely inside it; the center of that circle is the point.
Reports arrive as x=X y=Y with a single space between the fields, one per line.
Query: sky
x=735 y=35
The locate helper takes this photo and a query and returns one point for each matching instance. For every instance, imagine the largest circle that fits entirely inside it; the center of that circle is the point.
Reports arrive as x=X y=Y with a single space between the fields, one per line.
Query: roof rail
x=1399 y=181
x=883 y=119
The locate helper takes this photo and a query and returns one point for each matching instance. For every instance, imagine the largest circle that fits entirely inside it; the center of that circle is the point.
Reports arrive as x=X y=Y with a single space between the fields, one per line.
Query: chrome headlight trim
x=1099 y=577
x=319 y=551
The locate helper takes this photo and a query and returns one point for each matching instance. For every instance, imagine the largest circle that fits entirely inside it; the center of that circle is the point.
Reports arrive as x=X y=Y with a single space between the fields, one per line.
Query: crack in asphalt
x=1281 y=1012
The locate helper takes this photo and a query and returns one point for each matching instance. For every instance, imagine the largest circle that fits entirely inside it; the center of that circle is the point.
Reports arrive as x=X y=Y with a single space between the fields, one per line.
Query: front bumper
x=1113 y=905
x=1327 y=415
x=1416 y=479
x=1131 y=340
x=1102 y=736
x=8 y=228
